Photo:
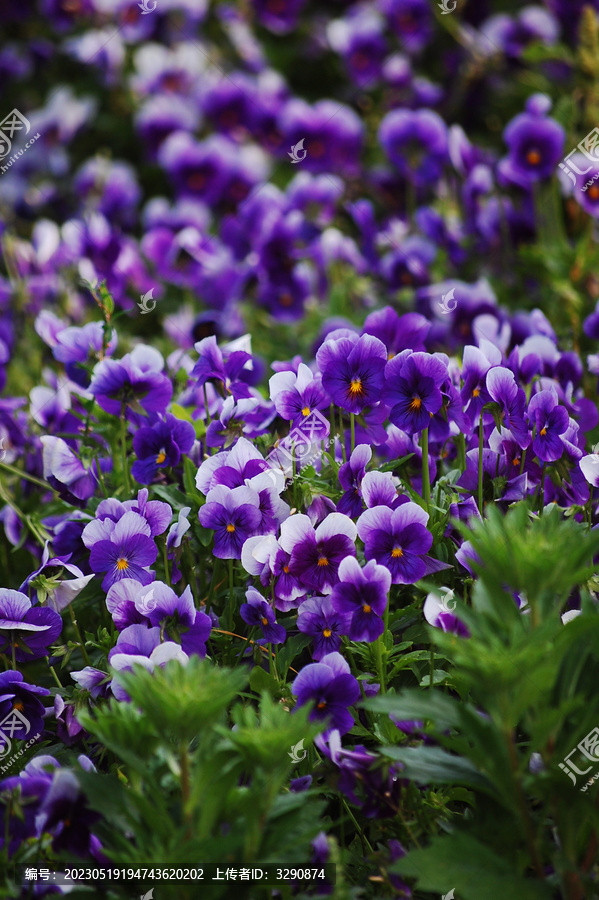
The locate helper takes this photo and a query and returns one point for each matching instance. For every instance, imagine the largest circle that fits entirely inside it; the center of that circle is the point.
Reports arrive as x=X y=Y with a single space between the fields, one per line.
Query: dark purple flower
x=26 y=629
x=319 y=618
x=535 y=144
x=352 y=370
x=416 y=143
x=233 y=515
x=350 y=477
x=257 y=612
x=160 y=445
x=65 y=471
x=23 y=699
x=315 y=555
x=398 y=332
x=361 y=593
x=411 y=20
x=134 y=382
x=331 y=687
x=503 y=389
x=93 y=680
x=296 y=396
x=412 y=389
x=177 y=616
x=551 y=421
x=127 y=552
x=399 y=540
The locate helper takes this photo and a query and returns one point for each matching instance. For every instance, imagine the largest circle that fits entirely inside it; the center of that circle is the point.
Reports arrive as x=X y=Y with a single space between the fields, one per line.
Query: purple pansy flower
x=319 y=618
x=46 y=581
x=399 y=540
x=65 y=471
x=18 y=696
x=416 y=143
x=296 y=396
x=233 y=515
x=315 y=554
x=361 y=593
x=179 y=618
x=127 y=552
x=350 y=477
x=535 y=146
x=160 y=445
x=26 y=629
x=352 y=370
x=134 y=382
x=503 y=389
x=412 y=389
x=331 y=687
x=551 y=421
x=257 y=612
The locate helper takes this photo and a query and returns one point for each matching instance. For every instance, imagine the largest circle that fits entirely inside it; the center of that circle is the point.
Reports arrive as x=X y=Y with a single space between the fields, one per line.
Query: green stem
x=208 y=419
x=461 y=441
x=79 y=638
x=213 y=582
x=165 y=559
x=31 y=478
x=185 y=787
x=352 y=420
x=432 y=666
x=542 y=494
x=14 y=659
x=55 y=676
x=124 y=450
x=481 y=438
x=231 y=579
x=426 y=475
x=378 y=646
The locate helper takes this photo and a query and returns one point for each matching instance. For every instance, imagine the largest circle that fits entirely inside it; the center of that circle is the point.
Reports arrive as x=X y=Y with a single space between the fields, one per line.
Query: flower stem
x=124 y=450
x=79 y=638
x=481 y=438
x=426 y=475
x=352 y=420
x=378 y=646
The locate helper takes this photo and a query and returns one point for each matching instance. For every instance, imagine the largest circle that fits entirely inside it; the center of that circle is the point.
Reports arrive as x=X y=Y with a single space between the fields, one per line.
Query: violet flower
x=160 y=445
x=24 y=629
x=315 y=554
x=352 y=370
x=257 y=613
x=127 y=552
x=361 y=594
x=399 y=540
x=233 y=515
x=412 y=389
x=320 y=618
x=331 y=687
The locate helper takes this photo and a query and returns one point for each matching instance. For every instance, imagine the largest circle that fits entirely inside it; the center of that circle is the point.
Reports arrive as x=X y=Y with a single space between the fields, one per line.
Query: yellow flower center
x=397 y=553
x=321 y=705
x=122 y=563
x=286 y=570
x=161 y=457
x=264 y=620
x=306 y=411
x=355 y=387
x=594 y=192
x=18 y=705
x=543 y=432
x=533 y=157
x=476 y=392
x=323 y=561
x=416 y=403
x=327 y=632
x=230 y=528
x=516 y=461
x=366 y=608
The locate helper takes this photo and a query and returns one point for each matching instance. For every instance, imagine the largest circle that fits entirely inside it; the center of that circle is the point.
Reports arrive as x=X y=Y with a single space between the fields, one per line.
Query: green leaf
x=433 y=765
x=475 y=872
x=260 y=680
